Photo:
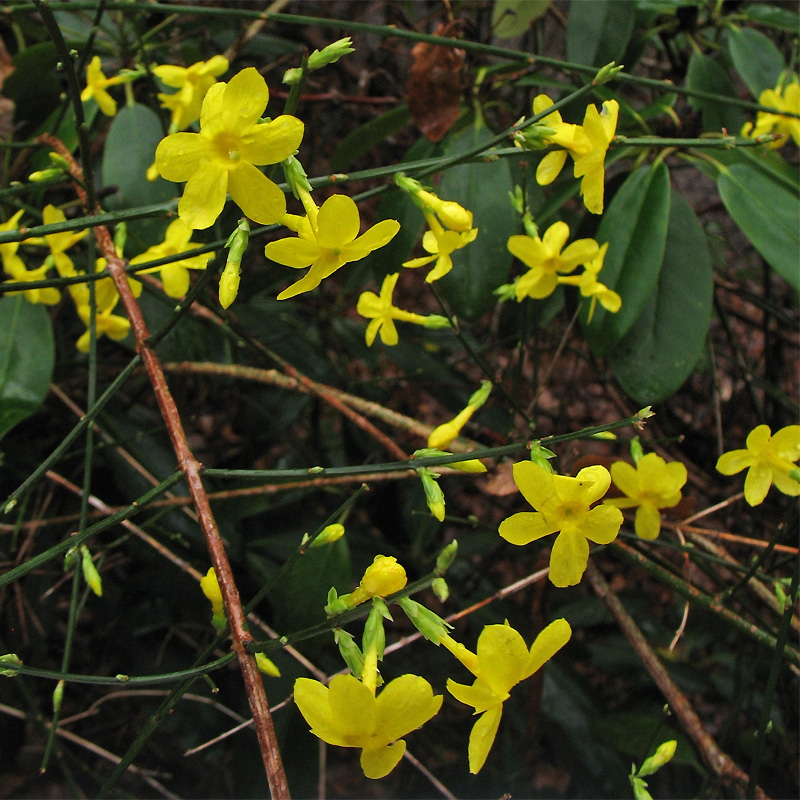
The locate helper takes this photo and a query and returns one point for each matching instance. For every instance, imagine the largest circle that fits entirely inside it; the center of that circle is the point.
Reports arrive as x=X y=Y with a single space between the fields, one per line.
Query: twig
x=190 y=468
x=722 y=764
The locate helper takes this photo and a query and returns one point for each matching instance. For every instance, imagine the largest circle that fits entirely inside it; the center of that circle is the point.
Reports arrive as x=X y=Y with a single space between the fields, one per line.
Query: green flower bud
x=445 y=559
x=636 y=450
x=540 y=456
x=434 y=496
x=430 y=625
x=440 y=589
x=330 y=54
x=374 y=635
x=663 y=755
x=296 y=176
x=58 y=696
x=436 y=322
x=351 y=653
x=293 y=76
x=90 y=573
x=607 y=73
x=329 y=535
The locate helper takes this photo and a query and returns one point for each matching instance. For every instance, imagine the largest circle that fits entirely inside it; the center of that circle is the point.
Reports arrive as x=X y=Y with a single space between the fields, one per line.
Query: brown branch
x=721 y=763
x=190 y=467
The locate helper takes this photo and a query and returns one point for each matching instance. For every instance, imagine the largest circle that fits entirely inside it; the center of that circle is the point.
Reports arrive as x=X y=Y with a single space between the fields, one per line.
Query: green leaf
x=33 y=85
x=130 y=150
x=706 y=75
x=767 y=213
x=659 y=352
x=774 y=17
x=27 y=355
x=598 y=32
x=514 y=17
x=484 y=264
x=635 y=227
x=365 y=137
x=756 y=59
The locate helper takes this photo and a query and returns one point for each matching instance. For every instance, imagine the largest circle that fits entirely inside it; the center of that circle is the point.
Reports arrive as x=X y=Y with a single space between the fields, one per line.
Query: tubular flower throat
x=441 y=244
x=175 y=276
x=563 y=504
x=786 y=98
x=382 y=314
x=769 y=459
x=502 y=660
x=224 y=156
x=651 y=485
x=328 y=243
x=545 y=260
x=192 y=84
x=348 y=714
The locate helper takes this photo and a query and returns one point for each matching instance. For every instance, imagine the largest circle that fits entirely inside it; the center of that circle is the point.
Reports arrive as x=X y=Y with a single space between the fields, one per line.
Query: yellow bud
x=90 y=573
x=229 y=285
x=473 y=465
x=383 y=576
x=210 y=586
x=450 y=213
x=329 y=535
x=266 y=666
x=443 y=436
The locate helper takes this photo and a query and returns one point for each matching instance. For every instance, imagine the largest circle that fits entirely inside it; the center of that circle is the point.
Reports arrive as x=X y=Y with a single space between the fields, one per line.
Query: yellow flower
x=348 y=714
x=224 y=156
x=566 y=135
x=590 y=287
x=785 y=98
x=599 y=128
x=328 y=243
x=48 y=295
x=192 y=84
x=12 y=263
x=59 y=243
x=769 y=459
x=501 y=662
x=106 y=323
x=175 y=275
x=651 y=485
x=563 y=504
x=382 y=313
x=210 y=588
x=441 y=244
x=543 y=257
x=96 y=85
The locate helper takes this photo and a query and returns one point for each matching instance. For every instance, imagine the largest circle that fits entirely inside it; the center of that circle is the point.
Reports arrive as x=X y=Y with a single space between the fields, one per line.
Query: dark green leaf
x=784 y=19
x=27 y=354
x=706 y=75
x=756 y=59
x=482 y=266
x=33 y=85
x=767 y=213
x=514 y=17
x=598 y=32
x=635 y=227
x=659 y=352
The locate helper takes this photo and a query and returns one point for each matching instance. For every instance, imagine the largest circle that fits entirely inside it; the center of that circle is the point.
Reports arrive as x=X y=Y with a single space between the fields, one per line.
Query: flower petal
x=569 y=557
x=626 y=478
x=502 y=655
x=734 y=461
x=534 y=482
x=292 y=252
x=180 y=155
x=786 y=442
x=555 y=237
x=389 y=332
x=550 y=167
x=404 y=705
x=757 y=483
x=377 y=236
x=380 y=762
x=271 y=142
x=648 y=521
x=244 y=101
x=783 y=482
x=549 y=641
x=204 y=196
x=338 y=221
x=525 y=527
x=482 y=737
x=256 y=194
x=602 y=524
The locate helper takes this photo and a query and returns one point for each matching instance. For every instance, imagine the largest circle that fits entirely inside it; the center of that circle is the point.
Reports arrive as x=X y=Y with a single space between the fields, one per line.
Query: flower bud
x=430 y=625
x=662 y=755
x=330 y=54
x=440 y=589
x=58 y=696
x=210 y=586
x=292 y=76
x=445 y=559
x=450 y=213
x=607 y=73
x=436 y=322
x=329 y=535
x=384 y=576
x=434 y=496
x=10 y=658
x=90 y=573
x=351 y=652
x=636 y=450
x=266 y=666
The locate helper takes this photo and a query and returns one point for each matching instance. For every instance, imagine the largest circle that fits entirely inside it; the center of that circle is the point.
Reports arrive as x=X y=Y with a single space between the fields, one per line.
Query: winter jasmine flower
x=192 y=84
x=563 y=504
x=441 y=244
x=175 y=276
x=651 y=485
x=590 y=287
x=769 y=459
x=224 y=156
x=502 y=660
x=328 y=242
x=599 y=128
x=545 y=260
x=96 y=85
x=785 y=98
